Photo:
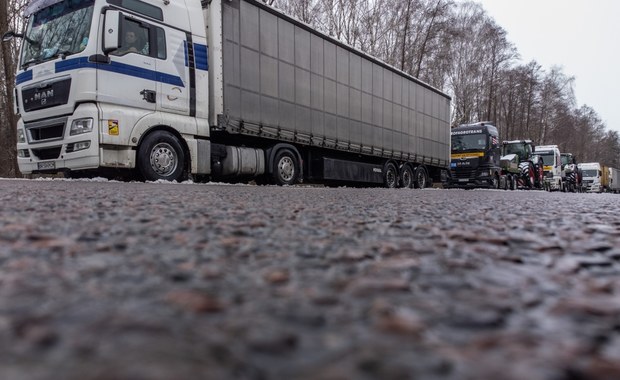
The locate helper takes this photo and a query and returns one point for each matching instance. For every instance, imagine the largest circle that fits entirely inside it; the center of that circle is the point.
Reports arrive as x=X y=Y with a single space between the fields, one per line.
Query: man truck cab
x=552 y=168
x=595 y=177
x=475 y=156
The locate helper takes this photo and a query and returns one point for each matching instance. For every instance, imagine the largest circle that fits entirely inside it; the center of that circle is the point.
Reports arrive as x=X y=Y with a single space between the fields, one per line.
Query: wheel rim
x=390 y=177
x=164 y=159
x=407 y=178
x=421 y=179
x=286 y=169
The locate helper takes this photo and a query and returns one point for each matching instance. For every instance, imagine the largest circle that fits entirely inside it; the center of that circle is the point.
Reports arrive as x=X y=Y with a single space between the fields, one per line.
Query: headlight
x=21 y=136
x=81 y=126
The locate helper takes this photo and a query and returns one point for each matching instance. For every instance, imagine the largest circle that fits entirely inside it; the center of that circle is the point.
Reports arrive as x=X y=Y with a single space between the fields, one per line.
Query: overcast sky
x=583 y=37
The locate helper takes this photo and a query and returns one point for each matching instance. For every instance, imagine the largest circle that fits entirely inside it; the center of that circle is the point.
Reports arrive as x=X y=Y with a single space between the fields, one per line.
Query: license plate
x=46 y=165
x=463 y=180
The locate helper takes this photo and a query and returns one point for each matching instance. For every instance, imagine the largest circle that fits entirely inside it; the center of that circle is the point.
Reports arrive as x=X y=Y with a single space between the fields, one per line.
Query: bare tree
x=9 y=19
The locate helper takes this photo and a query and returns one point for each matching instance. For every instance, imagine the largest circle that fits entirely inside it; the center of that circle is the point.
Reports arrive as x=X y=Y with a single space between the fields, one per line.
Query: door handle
x=149 y=95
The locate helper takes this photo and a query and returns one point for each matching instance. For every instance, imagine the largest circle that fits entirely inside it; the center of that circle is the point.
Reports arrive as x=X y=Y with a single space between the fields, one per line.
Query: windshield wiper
x=31 y=62
x=62 y=54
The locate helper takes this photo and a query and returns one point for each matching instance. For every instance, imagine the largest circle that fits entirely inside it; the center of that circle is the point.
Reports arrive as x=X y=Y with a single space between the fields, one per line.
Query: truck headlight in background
x=485 y=173
x=81 y=126
x=21 y=136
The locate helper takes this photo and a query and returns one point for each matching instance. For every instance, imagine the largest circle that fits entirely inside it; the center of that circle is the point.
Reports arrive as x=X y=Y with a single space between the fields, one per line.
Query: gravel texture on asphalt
x=134 y=281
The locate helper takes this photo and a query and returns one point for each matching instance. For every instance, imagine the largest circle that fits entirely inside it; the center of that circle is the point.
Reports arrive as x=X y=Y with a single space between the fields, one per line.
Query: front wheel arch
x=172 y=139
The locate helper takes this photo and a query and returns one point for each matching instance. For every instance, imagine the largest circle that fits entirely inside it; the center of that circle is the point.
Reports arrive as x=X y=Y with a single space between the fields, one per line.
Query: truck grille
x=50 y=153
x=463 y=173
x=46 y=94
x=46 y=131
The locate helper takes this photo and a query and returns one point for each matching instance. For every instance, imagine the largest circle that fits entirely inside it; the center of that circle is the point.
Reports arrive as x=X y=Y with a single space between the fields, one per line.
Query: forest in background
x=452 y=45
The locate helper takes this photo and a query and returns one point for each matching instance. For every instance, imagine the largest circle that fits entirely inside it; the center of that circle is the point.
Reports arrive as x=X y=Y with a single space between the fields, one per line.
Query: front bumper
x=469 y=183
x=48 y=151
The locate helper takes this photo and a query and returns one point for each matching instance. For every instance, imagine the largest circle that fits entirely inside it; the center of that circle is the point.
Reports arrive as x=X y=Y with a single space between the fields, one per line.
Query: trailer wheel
x=390 y=178
x=420 y=178
x=161 y=156
x=406 y=177
x=286 y=168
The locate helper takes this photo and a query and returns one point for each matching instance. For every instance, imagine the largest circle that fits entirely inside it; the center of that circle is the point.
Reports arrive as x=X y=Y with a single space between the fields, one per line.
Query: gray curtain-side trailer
x=277 y=85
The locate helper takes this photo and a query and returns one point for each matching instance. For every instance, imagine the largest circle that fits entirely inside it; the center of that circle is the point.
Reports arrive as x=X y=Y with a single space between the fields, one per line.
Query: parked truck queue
x=479 y=160
x=238 y=91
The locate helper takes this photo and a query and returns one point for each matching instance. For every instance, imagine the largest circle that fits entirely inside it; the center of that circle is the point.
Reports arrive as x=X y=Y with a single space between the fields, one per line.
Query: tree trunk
x=8 y=132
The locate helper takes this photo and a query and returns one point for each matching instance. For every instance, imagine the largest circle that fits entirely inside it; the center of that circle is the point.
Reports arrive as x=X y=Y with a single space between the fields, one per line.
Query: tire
x=420 y=178
x=495 y=183
x=390 y=178
x=531 y=179
x=161 y=157
x=513 y=182
x=285 y=168
x=406 y=177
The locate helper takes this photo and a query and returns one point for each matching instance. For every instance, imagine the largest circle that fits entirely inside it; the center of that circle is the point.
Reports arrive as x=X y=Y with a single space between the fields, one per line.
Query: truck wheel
x=390 y=178
x=513 y=182
x=286 y=168
x=495 y=182
x=420 y=178
x=406 y=177
x=531 y=180
x=160 y=156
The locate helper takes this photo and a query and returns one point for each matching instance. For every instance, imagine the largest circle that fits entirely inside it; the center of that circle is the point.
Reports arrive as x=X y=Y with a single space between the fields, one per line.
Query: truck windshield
x=59 y=30
x=548 y=159
x=566 y=159
x=590 y=173
x=518 y=149
x=461 y=143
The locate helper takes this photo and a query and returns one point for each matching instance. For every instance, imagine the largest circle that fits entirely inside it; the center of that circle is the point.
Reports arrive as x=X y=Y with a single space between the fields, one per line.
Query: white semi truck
x=595 y=177
x=216 y=89
x=552 y=166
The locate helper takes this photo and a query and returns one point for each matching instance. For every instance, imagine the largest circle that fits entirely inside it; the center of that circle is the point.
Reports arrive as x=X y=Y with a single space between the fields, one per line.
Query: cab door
x=173 y=88
x=129 y=78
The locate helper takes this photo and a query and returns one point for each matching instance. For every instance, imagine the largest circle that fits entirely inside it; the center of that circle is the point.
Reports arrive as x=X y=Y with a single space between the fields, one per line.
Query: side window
x=135 y=38
x=161 y=43
x=141 y=38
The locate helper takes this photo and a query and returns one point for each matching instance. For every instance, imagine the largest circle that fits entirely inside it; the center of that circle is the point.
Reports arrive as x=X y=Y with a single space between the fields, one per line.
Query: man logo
x=43 y=96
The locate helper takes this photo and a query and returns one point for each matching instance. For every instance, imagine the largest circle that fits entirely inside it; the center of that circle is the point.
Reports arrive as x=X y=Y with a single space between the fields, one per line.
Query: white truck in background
x=552 y=166
x=595 y=177
x=229 y=89
x=614 y=180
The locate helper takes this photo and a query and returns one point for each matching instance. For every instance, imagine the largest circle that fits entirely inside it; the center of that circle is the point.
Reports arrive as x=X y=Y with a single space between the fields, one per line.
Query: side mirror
x=111 y=31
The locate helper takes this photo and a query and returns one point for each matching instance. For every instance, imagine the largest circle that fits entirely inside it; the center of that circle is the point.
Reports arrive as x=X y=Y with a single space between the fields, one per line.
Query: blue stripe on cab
x=24 y=77
x=116 y=67
x=202 y=57
x=120 y=68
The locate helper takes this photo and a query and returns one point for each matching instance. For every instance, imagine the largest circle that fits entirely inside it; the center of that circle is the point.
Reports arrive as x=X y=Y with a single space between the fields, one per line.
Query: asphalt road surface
x=135 y=281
